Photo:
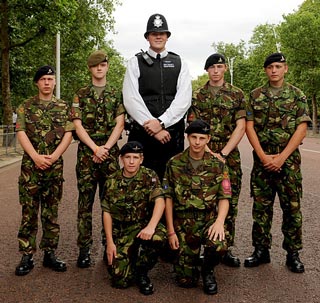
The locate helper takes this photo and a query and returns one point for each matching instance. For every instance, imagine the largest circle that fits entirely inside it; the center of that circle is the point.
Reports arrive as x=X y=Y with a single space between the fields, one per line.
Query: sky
x=195 y=25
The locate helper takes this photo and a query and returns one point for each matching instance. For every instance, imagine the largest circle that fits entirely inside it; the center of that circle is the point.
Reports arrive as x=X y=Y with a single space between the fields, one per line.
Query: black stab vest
x=158 y=83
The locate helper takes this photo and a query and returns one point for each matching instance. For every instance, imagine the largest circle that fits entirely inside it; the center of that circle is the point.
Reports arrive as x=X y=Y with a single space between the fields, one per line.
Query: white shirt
x=135 y=105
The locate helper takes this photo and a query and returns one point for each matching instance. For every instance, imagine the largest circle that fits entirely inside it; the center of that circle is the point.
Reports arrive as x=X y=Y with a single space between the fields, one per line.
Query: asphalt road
x=268 y=283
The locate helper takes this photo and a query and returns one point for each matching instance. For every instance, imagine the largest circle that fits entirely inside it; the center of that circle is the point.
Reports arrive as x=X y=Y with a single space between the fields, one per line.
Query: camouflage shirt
x=44 y=122
x=276 y=117
x=221 y=110
x=200 y=188
x=131 y=200
x=97 y=113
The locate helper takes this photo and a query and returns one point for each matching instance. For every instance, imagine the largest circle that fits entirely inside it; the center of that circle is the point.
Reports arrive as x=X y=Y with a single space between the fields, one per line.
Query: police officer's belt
x=197 y=214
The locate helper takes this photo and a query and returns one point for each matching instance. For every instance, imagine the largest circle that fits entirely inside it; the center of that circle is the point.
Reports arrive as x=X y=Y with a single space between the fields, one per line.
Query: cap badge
x=157 y=22
x=220 y=60
x=206 y=129
x=136 y=148
x=282 y=59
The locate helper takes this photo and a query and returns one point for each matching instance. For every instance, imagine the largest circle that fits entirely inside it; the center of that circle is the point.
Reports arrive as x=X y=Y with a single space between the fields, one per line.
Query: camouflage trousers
x=39 y=190
x=90 y=175
x=133 y=254
x=193 y=234
x=264 y=187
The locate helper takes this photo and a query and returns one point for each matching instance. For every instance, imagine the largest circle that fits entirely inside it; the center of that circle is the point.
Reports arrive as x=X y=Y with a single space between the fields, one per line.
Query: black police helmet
x=157 y=23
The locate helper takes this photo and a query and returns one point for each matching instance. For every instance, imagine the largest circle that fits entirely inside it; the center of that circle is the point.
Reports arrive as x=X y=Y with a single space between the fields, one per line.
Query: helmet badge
x=157 y=22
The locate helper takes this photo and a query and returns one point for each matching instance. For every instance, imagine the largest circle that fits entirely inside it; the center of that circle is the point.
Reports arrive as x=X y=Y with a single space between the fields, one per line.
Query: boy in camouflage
x=222 y=105
x=277 y=119
x=197 y=189
x=44 y=132
x=133 y=204
x=98 y=116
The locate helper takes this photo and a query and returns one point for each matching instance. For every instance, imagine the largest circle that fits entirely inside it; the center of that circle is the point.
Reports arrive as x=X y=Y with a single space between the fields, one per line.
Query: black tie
x=158 y=57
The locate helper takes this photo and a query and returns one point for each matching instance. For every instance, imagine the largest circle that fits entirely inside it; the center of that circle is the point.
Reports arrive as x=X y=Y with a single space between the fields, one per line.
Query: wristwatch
x=224 y=156
x=161 y=123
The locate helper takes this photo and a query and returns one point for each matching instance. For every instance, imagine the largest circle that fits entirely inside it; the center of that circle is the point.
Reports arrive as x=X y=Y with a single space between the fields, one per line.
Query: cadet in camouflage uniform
x=277 y=122
x=133 y=204
x=98 y=116
x=44 y=132
x=222 y=105
x=197 y=189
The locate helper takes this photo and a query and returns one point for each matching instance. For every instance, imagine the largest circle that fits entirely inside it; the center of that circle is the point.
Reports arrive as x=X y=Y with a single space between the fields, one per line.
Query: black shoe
x=145 y=285
x=230 y=260
x=84 y=260
x=25 y=266
x=293 y=262
x=259 y=256
x=210 y=286
x=50 y=260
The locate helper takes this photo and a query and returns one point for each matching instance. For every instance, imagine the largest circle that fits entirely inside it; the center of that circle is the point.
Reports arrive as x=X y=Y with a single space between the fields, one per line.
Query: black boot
x=260 y=255
x=50 y=260
x=143 y=281
x=84 y=260
x=25 y=266
x=210 y=260
x=293 y=262
x=230 y=260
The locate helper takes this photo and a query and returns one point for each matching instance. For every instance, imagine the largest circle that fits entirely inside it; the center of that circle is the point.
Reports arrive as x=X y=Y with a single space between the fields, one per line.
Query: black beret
x=198 y=127
x=214 y=59
x=275 y=57
x=131 y=147
x=97 y=57
x=42 y=71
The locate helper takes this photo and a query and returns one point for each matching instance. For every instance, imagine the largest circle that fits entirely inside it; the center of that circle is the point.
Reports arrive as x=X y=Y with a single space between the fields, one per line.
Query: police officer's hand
x=152 y=127
x=216 y=231
x=146 y=233
x=163 y=136
x=42 y=162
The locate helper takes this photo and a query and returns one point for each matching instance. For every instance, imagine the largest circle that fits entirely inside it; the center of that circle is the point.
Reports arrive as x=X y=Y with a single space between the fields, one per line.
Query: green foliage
x=83 y=25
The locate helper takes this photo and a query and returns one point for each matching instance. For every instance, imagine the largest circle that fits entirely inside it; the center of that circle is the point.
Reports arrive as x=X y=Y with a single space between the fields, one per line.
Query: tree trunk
x=5 y=70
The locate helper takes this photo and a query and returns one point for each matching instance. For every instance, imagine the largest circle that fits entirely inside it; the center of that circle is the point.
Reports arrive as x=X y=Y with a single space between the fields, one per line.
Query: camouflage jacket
x=200 y=188
x=276 y=117
x=131 y=200
x=220 y=111
x=44 y=122
x=97 y=113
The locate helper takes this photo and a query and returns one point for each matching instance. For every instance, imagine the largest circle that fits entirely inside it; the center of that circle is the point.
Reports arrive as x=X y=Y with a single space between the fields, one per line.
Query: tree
x=300 y=37
x=27 y=40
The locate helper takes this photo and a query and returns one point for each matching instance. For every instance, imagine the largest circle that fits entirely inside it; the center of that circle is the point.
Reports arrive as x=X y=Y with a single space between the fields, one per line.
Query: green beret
x=42 y=71
x=97 y=57
x=131 y=147
x=275 y=57
x=214 y=59
x=198 y=127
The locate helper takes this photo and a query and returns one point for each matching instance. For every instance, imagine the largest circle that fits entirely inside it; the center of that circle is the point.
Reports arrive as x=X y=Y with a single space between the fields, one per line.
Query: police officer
x=98 y=116
x=222 y=105
x=197 y=189
x=277 y=123
x=157 y=94
x=133 y=204
x=44 y=132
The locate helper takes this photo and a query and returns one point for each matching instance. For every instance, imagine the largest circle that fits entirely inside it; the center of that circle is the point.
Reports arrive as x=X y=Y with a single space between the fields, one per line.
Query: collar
x=153 y=54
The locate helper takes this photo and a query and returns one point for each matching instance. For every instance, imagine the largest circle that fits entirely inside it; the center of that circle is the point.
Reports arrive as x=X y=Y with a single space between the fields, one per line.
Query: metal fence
x=8 y=140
